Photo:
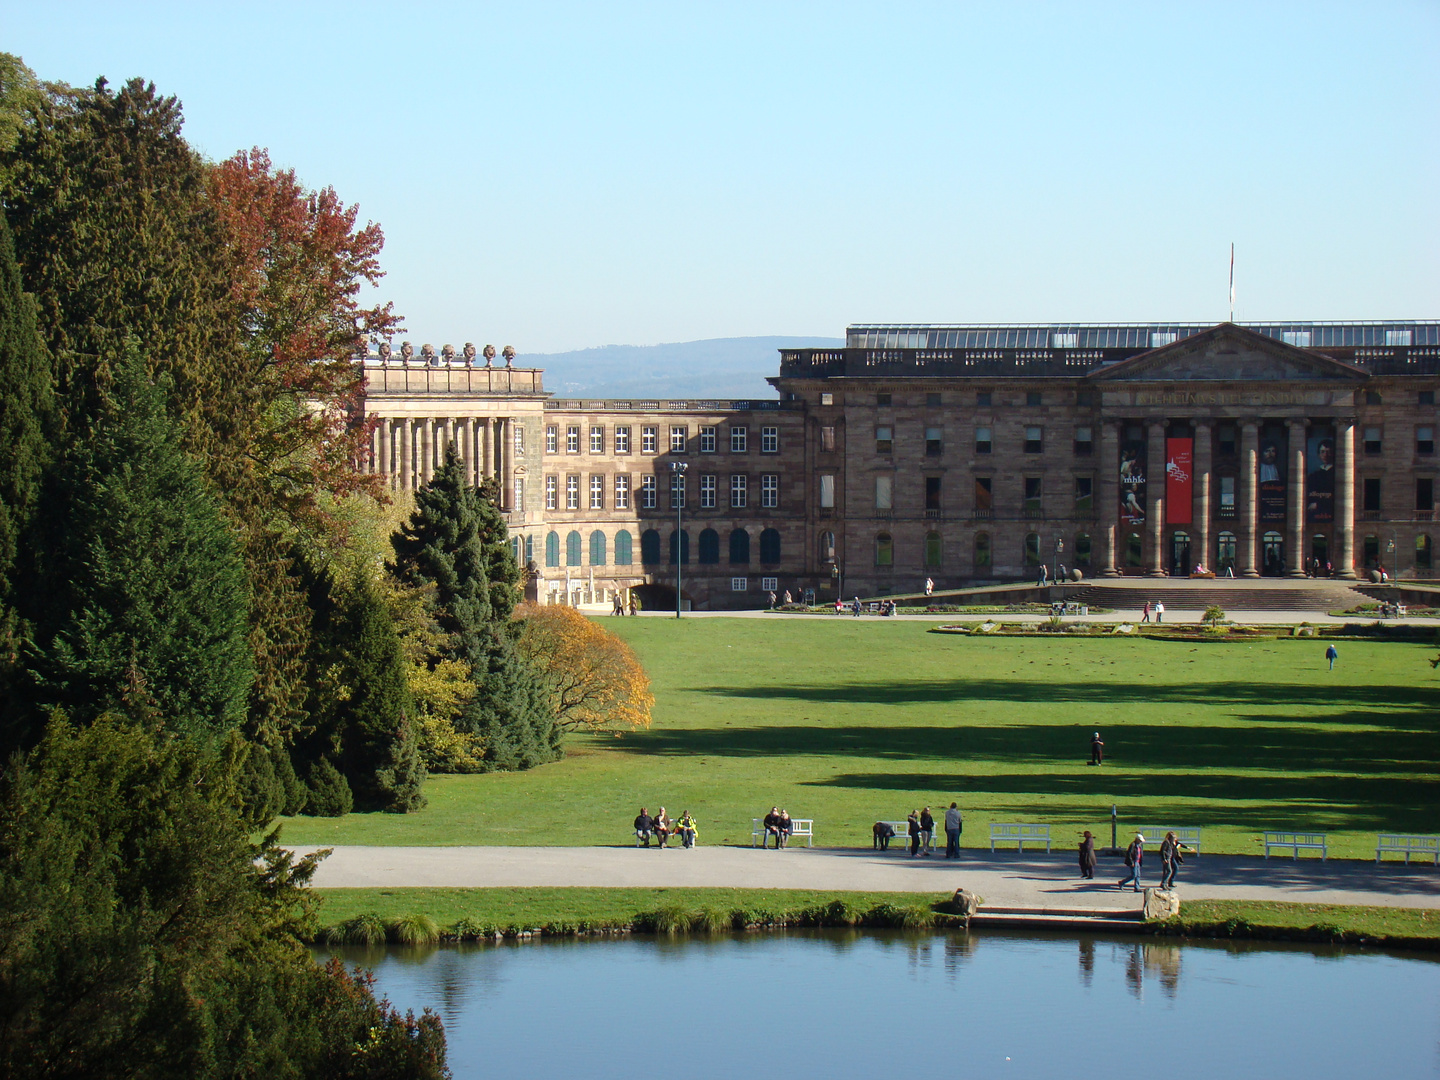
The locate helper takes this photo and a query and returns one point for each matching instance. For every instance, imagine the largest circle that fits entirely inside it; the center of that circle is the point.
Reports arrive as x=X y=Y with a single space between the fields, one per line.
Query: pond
x=836 y=1004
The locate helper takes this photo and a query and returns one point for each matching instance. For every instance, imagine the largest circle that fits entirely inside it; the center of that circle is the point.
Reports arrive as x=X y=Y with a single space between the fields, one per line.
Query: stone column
x=1155 y=497
x=507 y=463
x=1109 y=496
x=407 y=455
x=1247 y=498
x=427 y=451
x=487 y=449
x=1200 y=512
x=467 y=448
x=1345 y=497
x=1295 y=499
x=383 y=430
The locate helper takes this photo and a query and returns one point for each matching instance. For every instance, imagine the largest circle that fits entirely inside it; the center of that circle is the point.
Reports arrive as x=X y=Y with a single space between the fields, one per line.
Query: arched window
x=1225 y=553
x=552 y=549
x=622 y=548
x=827 y=547
x=739 y=548
x=650 y=547
x=529 y=549
x=933 y=548
x=884 y=550
x=515 y=548
x=597 y=548
x=684 y=536
x=1272 y=548
x=1082 y=549
x=1032 y=549
x=1422 y=552
x=770 y=546
x=709 y=547
x=572 y=548
x=1134 y=550
x=982 y=551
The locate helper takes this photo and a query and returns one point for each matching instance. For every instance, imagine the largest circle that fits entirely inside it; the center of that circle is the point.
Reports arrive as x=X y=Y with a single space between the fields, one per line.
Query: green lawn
x=848 y=721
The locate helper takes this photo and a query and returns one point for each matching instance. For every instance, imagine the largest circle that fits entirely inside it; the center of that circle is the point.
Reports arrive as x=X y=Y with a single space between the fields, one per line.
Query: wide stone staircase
x=1228 y=594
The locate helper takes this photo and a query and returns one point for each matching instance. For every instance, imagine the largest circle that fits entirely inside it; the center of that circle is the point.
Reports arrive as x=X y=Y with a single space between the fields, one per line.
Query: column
x=407 y=455
x=427 y=450
x=1345 y=497
x=507 y=463
x=467 y=448
x=1155 y=497
x=1295 y=502
x=487 y=449
x=1246 y=497
x=1200 y=512
x=373 y=465
x=1109 y=496
x=384 y=432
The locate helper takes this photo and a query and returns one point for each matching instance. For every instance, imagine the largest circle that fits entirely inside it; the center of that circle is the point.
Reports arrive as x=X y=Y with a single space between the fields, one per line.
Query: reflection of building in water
x=1087 y=961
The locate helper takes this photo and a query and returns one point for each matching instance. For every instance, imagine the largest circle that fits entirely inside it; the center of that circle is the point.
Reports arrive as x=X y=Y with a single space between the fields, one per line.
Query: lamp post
x=1390 y=554
x=839 y=576
x=1059 y=549
x=677 y=495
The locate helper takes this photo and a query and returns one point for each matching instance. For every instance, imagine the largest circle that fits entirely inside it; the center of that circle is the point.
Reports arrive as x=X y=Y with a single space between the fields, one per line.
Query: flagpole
x=1232 y=281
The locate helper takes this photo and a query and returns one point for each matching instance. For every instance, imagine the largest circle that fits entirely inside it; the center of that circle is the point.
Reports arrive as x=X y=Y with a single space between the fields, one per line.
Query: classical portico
x=1231 y=450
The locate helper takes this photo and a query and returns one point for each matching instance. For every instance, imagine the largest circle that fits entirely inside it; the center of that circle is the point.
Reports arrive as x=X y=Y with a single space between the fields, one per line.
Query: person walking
x=1145 y=612
x=1332 y=654
x=1043 y=576
x=687 y=830
x=913 y=823
x=1160 y=611
x=1087 y=856
x=788 y=599
x=1097 y=750
x=634 y=603
x=927 y=832
x=618 y=607
x=1134 y=856
x=663 y=827
x=953 y=824
x=1170 y=860
x=929 y=587
x=772 y=598
x=644 y=826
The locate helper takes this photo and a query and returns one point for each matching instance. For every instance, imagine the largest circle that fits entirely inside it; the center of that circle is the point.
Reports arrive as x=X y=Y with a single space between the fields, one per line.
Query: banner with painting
x=1132 y=482
x=1179 y=468
x=1272 y=480
x=1320 y=478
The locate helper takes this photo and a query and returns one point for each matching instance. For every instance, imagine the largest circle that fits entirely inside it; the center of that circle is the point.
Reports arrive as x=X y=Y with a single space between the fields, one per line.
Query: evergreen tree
x=137 y=596
x=26 y=403
x=456 y=539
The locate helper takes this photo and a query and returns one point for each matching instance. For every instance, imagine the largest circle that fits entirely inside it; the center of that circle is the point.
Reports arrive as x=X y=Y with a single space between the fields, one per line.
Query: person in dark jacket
x=663 y=827
x=927 y=833
x=881 y=833
x=644 y=826
x=1087 y=857
x=772 y=827
x=1134 y=856
x=1097 y=749
x=1170 y=860
x=786 y=828
x=913 y=822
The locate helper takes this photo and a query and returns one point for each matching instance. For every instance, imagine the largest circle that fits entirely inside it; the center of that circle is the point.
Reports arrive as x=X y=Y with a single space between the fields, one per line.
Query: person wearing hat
x=1134 y=855
x=1087 y=856
x=1097 y=750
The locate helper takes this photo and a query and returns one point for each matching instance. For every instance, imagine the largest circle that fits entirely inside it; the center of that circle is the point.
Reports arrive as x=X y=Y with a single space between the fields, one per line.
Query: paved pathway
x=1002 y=878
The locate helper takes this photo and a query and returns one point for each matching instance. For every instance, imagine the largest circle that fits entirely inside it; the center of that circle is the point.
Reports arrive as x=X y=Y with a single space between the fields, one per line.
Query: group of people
x=887 y=607
x=777 y=824
x=1158 y=610
x=660 y=828
x=920 y=826
x=1171 y=856
x=618 y=607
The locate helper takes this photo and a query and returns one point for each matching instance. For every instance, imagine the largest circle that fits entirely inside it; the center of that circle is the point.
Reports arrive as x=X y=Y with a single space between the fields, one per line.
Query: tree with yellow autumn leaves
x=594 y=679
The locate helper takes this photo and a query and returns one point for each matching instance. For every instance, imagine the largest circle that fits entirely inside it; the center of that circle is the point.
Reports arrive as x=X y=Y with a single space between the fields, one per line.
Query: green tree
x=136 y=595
x=456 y=540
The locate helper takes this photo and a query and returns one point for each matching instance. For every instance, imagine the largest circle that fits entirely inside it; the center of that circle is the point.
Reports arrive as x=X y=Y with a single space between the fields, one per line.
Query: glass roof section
x=1128 y=335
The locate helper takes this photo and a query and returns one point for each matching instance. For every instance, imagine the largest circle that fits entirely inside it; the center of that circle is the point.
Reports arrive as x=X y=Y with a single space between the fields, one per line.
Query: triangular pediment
x=1229 y=353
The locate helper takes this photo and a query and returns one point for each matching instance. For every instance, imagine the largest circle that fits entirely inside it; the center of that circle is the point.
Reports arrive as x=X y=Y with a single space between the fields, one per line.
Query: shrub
x=1213 y=614
x=329 y=793
x=413 y=929
x=364 y=929
x=468 y=929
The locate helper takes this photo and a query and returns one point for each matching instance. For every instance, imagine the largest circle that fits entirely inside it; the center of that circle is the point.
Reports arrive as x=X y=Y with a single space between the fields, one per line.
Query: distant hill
x=715 y=368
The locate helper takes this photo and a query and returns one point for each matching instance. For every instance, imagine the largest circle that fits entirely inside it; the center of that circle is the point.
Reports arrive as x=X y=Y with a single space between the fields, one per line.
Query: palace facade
x=963 y=454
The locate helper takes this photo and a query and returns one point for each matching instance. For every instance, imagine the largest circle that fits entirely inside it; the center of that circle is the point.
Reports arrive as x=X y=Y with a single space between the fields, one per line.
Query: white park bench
x=1019 y=834
x=799 y=826
x=1188 y=835
x=902 y=835
x=1295 y=842
x=1410 y=845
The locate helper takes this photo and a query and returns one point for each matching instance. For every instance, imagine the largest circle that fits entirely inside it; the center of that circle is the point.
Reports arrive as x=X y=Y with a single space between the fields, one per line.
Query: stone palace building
x=963 y=454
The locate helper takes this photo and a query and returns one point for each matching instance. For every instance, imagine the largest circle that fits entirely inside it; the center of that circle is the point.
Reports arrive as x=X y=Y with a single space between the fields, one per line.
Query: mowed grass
x=849 y=721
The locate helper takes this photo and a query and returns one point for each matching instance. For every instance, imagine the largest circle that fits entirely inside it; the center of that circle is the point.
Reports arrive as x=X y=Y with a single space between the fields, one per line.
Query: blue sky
x=558 y=176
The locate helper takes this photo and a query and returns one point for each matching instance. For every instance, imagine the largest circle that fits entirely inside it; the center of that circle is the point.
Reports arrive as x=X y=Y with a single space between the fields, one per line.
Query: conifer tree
x=456 y=539
x=136 y=593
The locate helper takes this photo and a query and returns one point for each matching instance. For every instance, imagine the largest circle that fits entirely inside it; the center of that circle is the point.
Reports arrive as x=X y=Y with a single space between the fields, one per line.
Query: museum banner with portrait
x=1179 y=469
x=1272 y=480
x=1132 y=482
x=1320 y=478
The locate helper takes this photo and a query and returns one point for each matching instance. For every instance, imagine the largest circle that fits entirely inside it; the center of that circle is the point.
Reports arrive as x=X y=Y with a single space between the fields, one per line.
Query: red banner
x=1179 y=458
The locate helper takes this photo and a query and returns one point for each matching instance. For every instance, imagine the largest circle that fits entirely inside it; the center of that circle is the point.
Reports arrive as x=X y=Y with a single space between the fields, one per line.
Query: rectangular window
x=520 y=493
x=827 y=438
x=1372 y=397
x=1065 y=341
x=622 y=491
x=1161 y=338
x=707 y=440
x=738 y=436
x=1397 y=337
x=572 y=439
x=738 y=484
x=770 y=490
x=677 y=491
x=884 y=440
x=1299 y=338
x=707 y=491
x=1084 y=442
x=519 y=442
x=572 y=493
x=597 y=492
x=1225 y=439
x=1032 y=397
x=827 y=399
x=647 y=492
x=739 y=584
x=1084 y=496
x=552 y=493
x=678 y=436
x=1032 y=496
x=932 y=494
x=983 y=398
x=982 y=440
x=1372 y=496
x=597 y=439
x=648 y=441
x=827 y=491
x=984 y=496
x=1084 y=398
x=1425 y=440
x=932 y=400
x=1227 y=496
x=1034 y=440
x=769 y=584
x=769 y=440
x=552 y=440
x=884 y=493
x=1424 y=493
x=882 y=399
x=622 y=440
x=934 y=442
x=1427 y=397
x=1372 y=440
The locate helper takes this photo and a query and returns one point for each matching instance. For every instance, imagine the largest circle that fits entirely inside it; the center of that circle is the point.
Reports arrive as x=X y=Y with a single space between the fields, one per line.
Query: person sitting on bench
x=772 y=828
x=644 y=826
